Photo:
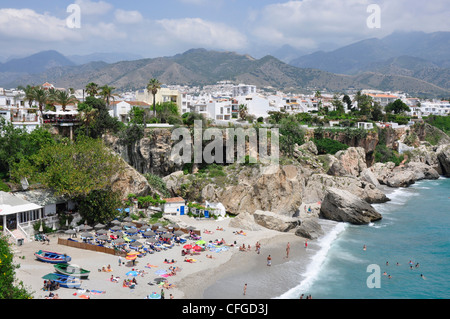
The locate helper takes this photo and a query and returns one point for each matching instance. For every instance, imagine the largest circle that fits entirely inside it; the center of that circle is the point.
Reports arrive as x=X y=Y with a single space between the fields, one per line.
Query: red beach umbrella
x=188 y=246
x=197 y=247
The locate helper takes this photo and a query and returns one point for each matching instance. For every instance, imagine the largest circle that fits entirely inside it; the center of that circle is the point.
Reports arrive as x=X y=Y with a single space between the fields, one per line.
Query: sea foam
x=315 y=265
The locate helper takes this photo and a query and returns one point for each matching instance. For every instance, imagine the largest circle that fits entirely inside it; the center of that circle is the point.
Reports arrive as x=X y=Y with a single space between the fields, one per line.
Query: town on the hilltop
x=221 y=103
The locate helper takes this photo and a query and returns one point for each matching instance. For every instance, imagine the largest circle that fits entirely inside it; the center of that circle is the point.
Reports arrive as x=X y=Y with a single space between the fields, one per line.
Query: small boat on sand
x=64 y=280
x=52 y=257
x=71 y=270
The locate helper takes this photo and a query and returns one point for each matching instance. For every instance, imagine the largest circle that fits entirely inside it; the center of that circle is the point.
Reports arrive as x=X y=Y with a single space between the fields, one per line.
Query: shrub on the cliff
x=329 y=146
x=383 y=154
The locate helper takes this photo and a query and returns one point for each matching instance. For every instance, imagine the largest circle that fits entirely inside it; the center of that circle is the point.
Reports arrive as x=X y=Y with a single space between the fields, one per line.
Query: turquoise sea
x=415 y=228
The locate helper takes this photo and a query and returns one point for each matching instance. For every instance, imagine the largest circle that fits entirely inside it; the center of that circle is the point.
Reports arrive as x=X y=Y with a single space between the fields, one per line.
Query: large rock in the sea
x=342 y=206
x=443 y=154
x=422 y=170
x=275 y=221
x=351 y=161
x=309 y=228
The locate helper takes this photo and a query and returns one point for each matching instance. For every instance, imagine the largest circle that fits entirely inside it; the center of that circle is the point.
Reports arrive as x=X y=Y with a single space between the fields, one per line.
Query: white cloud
x=307 y=23
x=128 y=17
x=89 y=7
x=28 y=25
x=199 y=32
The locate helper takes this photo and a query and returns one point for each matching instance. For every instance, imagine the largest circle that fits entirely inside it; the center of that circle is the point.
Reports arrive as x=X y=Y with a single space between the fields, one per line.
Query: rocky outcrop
x=309 y=228
x=318 y=184
x=245 y=221
x=403 y=175
x=443 y=155
x=275 y=221
x=342 y=206
x=351 y=161
x=129 y=181
x=151 y=154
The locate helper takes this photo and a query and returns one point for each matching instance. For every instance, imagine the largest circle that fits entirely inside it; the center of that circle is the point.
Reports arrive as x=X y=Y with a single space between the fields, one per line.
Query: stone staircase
x=18 y=235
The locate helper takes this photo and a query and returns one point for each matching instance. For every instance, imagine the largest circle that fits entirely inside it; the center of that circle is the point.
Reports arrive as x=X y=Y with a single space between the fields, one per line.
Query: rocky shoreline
x=291 y=198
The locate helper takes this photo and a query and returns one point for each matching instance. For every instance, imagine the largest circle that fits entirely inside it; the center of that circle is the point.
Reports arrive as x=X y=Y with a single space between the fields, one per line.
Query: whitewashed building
x=174 y=206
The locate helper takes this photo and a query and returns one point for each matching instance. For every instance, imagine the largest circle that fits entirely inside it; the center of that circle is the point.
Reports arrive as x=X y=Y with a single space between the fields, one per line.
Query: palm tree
x=63 y=98
x=92 y=89
x=153 y=86
x=243 y=111
x=107 y=94
x=29 y=94
x=41 y=97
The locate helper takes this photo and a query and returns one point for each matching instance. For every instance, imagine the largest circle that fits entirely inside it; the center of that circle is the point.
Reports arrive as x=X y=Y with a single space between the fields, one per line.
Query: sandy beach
x=188 y=283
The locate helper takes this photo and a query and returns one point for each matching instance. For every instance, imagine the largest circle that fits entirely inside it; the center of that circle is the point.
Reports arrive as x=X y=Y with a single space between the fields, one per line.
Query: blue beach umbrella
x=154 y=295
x=132 y=273
x=160 y=272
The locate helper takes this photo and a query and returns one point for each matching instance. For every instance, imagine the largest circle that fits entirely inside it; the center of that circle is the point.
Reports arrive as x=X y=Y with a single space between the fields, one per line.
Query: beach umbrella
x=174 y=226
x=137 y=244
x=86 y=234
x=131 y=257
x=132 y=273
x=132 y=231
x=86 y=227
x=187 y=246
x=157 y=224
x=70 y=231
x=103 y=237
x=179 y=233
x=101 y=232
x=115 y=222
x=200 y=242
x=99 y=226
x=127 y=219
x=197 y=247
x=166 y=235
x=149 y=233
x=160 y=272
x=119 y=241
x=154 y=295
x=135 y=237
x=115 y=228
x=129 y=224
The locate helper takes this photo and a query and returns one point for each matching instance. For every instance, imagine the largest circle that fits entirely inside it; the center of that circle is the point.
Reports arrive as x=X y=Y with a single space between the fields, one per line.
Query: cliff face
x=151 y=154
x=305 y=180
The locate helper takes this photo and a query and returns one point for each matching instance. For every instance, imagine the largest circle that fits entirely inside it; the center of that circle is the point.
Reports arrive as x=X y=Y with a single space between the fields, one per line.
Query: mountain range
x=420 y=55
x=418 y=66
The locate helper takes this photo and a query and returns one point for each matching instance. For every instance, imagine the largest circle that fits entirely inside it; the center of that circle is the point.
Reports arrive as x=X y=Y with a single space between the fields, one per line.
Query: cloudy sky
x=152 y=28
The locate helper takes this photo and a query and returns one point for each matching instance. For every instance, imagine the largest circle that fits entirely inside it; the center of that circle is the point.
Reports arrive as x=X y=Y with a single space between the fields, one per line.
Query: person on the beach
x=364 y=247
x=245 y=289
x=306 y=243
x=269 y=261
x=288 y=249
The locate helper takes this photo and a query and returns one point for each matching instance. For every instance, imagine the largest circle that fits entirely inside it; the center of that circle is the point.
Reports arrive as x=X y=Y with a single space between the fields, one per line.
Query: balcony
x=25 y=118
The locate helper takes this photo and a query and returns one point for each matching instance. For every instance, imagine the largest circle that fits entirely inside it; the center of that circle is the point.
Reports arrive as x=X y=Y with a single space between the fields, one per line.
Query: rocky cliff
x=299 y=190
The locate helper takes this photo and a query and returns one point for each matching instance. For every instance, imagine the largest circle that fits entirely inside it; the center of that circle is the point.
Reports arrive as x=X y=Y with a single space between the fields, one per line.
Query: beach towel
x=85 y=297
x=97 y=292
x=151 y=266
